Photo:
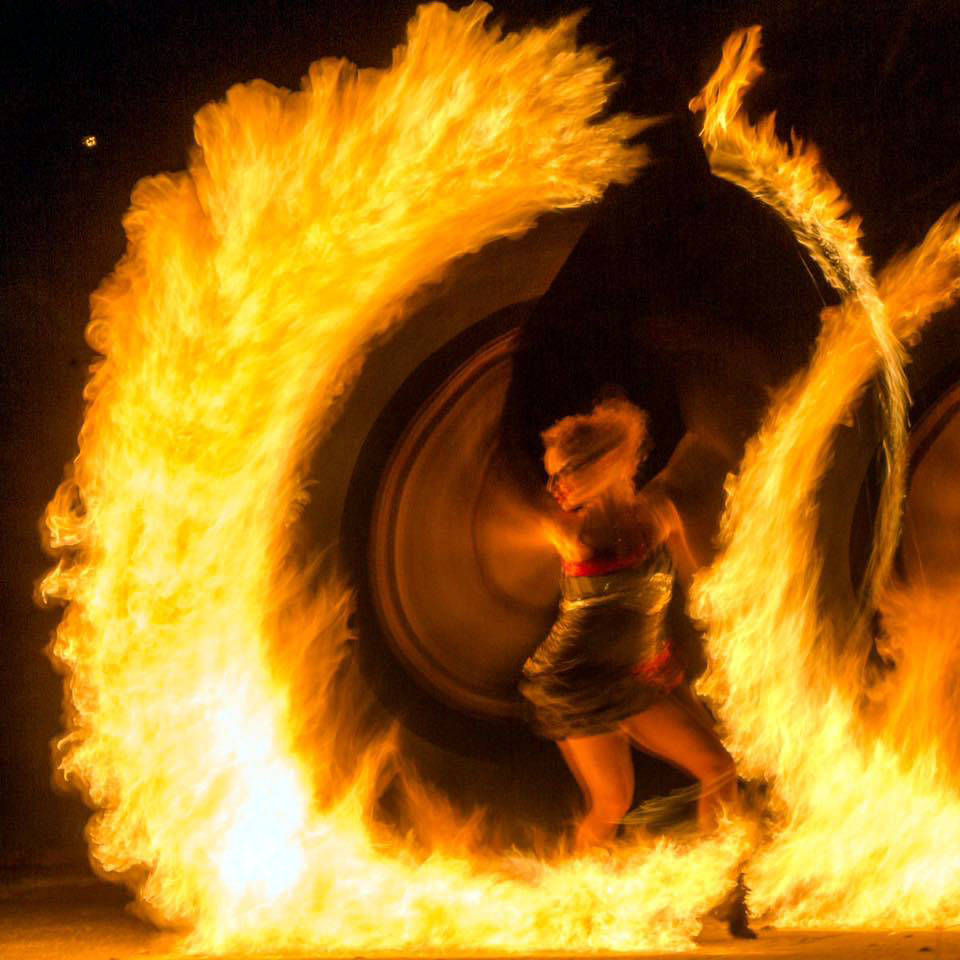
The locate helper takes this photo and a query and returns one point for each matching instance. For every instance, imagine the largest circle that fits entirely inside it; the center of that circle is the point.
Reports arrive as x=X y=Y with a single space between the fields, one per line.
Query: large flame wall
x=252 y=286
x=868 y=826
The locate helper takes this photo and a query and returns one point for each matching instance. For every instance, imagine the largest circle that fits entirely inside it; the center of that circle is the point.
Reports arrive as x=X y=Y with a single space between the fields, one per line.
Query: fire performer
x=609 y=675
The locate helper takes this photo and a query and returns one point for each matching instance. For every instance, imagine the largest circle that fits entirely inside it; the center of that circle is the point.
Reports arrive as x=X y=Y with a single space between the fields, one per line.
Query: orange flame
x=866 y=831
x=793 y=182
x=251 y=288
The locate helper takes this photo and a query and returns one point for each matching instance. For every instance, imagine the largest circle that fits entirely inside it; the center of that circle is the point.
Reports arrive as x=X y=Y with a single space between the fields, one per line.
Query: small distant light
x=89 y=141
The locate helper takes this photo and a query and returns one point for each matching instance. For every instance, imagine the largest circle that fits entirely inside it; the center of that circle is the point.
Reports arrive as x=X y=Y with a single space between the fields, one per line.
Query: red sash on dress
x=663 y=670
x=601 y=565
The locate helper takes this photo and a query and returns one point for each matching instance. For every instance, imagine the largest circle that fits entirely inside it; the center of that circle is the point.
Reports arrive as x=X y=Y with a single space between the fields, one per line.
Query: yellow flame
x=251 y=288
x=868 y=824
x=793 y=182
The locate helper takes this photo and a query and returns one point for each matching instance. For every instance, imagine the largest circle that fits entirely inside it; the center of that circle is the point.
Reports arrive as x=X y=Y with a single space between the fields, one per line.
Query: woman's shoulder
x=655 y=508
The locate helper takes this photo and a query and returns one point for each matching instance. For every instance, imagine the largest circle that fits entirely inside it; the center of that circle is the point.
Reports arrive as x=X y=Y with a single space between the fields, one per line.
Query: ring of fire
x=240 y=313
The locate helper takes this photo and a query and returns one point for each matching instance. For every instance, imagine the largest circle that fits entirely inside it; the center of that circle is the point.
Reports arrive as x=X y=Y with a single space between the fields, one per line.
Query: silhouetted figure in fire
x=610 y=675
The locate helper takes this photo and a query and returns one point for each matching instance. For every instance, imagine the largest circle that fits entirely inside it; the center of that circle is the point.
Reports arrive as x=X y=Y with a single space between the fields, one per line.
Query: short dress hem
x=608 y=655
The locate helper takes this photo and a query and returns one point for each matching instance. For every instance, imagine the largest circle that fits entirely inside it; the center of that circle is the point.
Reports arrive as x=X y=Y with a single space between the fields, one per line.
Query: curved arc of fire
x=251 y=287
x=793 y=182
x=791 y=707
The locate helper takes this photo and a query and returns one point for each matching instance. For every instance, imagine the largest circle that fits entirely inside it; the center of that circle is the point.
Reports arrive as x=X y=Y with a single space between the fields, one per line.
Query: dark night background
x=876 y=85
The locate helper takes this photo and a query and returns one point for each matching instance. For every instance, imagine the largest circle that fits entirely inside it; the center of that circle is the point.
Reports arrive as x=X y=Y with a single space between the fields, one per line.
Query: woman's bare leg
x=670 y=730
x=604 y=770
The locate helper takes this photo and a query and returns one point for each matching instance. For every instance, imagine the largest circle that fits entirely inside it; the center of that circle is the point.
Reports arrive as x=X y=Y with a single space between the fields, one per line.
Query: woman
x=608 y=675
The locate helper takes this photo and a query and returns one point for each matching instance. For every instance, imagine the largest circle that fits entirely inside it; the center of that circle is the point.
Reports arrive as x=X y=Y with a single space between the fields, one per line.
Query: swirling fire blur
x=252 y=286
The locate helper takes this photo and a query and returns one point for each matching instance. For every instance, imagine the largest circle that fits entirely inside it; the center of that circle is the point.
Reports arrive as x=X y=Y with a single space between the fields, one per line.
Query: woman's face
x=575 y=480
